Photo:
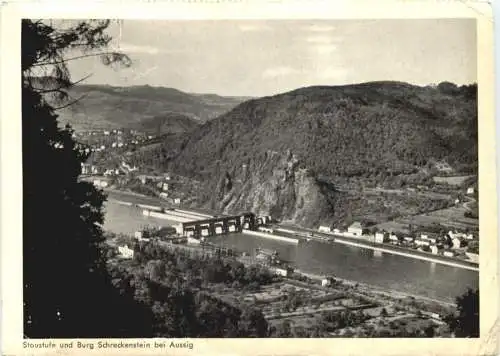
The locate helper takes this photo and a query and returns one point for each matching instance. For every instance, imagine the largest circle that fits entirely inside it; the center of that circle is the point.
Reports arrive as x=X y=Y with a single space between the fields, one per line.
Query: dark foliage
x=207 y=269
x=170 y=283
x=67 y=291
x=465 y=322
x=473 y=247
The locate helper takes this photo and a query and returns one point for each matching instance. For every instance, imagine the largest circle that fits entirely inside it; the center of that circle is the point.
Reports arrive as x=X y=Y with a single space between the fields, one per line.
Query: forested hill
x=104 y=107
x=288 y=154
x=172 y=123
x=354 y=130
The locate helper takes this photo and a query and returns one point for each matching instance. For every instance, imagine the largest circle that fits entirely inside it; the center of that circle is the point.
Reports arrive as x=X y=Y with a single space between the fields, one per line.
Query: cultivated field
x=304 y=306
x=452 y=218
x=457 y=180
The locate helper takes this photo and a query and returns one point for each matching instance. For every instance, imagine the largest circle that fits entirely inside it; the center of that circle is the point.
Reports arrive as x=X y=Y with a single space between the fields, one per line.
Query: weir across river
x=218 y=225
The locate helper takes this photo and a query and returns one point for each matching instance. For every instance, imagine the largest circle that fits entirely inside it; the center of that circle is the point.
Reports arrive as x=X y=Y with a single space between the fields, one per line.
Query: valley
x=251 y=178
x=398 y=192
x=376 y=152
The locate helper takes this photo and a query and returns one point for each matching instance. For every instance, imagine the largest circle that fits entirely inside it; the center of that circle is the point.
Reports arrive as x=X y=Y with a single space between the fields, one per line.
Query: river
x=376 y=268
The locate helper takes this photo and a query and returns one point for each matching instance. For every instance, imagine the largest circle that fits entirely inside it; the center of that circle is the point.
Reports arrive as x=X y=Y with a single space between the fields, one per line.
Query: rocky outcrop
x=276 y=186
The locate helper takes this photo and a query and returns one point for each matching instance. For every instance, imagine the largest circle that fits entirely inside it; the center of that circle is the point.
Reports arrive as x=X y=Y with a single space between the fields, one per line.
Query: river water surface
x=376 y=268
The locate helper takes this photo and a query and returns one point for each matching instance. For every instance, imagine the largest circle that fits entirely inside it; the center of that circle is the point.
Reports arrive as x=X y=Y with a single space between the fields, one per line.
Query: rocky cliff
x=276 y=186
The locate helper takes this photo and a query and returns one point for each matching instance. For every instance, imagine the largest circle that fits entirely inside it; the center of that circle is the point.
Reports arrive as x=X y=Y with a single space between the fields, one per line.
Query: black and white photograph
x=250 y=178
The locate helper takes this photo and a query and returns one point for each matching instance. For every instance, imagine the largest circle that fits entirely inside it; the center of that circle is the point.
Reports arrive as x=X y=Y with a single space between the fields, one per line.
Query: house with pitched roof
x=356 y=229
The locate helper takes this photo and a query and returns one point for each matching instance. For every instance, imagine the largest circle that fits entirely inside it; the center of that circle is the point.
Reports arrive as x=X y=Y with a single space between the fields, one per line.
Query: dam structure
x=196 y=226
x=218 y=225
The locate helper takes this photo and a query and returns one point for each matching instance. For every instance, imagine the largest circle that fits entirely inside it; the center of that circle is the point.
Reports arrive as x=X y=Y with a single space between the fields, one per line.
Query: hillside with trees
x=169 y=123
x=108 y=107
x=355 y=130
x=378 y=134
x=173 y=285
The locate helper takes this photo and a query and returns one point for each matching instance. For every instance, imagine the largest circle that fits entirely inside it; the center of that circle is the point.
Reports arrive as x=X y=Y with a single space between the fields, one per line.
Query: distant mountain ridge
x=210 y=97
x=105 y=107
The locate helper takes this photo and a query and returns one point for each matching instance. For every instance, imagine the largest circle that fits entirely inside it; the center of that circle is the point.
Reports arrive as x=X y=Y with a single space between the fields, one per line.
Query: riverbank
x=409 y=253
x=128 y=192
x=271 y=236
x=386 y=248
x=332 y=238
x=301 y=300
x=358 y=287
x=169 y=217
x=155 y=203
x=390 y=293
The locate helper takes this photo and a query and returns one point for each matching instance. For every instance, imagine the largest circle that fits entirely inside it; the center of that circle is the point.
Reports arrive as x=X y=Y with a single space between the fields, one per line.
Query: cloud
x=324 y=48
x=144 y=73
x=332 y=73
x=320 y=28
x=278 y=72
x=319 y=39
x=253 y=27
x=322 y=44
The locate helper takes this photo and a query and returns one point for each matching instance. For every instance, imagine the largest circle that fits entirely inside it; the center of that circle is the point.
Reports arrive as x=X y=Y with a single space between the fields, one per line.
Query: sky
x=259 y=58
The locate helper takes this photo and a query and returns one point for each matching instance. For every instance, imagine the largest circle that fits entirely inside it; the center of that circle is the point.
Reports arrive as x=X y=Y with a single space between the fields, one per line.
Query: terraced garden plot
x=450 y=217
x=457 y=180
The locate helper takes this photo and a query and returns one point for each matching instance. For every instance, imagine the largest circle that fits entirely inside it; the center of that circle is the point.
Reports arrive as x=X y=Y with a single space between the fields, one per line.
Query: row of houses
x=90 y=169
x=354 y=230
x=448 y=245
x=112 y=139
x=117 y=144
x=115 y=132
x=125 y=252
x=433 y=244
x=164 y=183
x=263 y=220
x=452 y=239
x=103 y=132
x=166 y=196
x=110 y=172
x=146 y=179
